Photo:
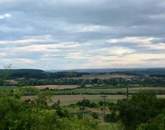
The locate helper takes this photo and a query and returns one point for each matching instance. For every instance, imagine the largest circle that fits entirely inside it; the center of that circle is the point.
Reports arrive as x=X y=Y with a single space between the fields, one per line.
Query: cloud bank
x=67 y=34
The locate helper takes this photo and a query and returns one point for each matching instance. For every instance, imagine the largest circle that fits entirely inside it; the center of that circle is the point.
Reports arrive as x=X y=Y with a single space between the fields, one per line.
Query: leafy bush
x=139 y=109
x=157 y=123
x=16 y=114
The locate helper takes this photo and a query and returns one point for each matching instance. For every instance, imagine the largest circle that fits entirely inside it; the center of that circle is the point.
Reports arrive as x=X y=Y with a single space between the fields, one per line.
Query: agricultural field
x=71 y=99
x=106 y=91
x=72 y=95
x=56 y=86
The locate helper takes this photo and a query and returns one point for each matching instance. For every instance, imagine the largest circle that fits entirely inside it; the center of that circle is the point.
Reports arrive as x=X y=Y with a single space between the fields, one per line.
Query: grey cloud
x=80 y=21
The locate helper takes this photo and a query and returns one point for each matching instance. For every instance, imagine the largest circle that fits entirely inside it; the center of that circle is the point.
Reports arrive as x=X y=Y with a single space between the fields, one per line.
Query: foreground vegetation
x=142 y=111
x=37 y=114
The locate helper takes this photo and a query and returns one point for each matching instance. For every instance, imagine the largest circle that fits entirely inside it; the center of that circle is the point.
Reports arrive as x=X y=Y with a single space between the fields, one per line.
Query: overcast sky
x=69 y=34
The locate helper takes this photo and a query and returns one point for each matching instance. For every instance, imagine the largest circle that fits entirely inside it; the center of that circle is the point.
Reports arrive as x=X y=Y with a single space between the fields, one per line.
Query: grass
x=112 y=91
x=71 y=99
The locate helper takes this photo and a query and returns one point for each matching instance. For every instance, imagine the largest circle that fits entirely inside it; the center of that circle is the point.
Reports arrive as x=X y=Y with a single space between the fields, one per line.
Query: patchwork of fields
x=70 y=94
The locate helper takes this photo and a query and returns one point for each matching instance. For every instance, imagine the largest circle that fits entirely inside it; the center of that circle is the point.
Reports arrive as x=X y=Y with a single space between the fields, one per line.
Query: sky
x=77 y=34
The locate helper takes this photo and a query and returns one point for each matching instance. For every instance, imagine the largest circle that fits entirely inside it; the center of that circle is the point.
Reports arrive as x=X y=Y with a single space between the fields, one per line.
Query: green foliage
x=16 y=114
x=143 y=111
x=61 y=112
x=87 y=103
x=157 y=123
x=95 y=115
x=139 y=109
x=112 y=117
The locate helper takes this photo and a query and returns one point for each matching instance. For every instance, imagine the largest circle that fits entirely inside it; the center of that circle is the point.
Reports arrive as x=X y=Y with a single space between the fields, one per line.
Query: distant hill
x=94 y=70
x=151 y=72
x=23 y=73
x=41 y=74
x=137 y=71
x=36 y=74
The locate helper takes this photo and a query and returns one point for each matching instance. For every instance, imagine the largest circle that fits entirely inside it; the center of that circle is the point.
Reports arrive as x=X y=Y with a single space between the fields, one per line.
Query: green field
x=106 y=91
x=70 y=99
